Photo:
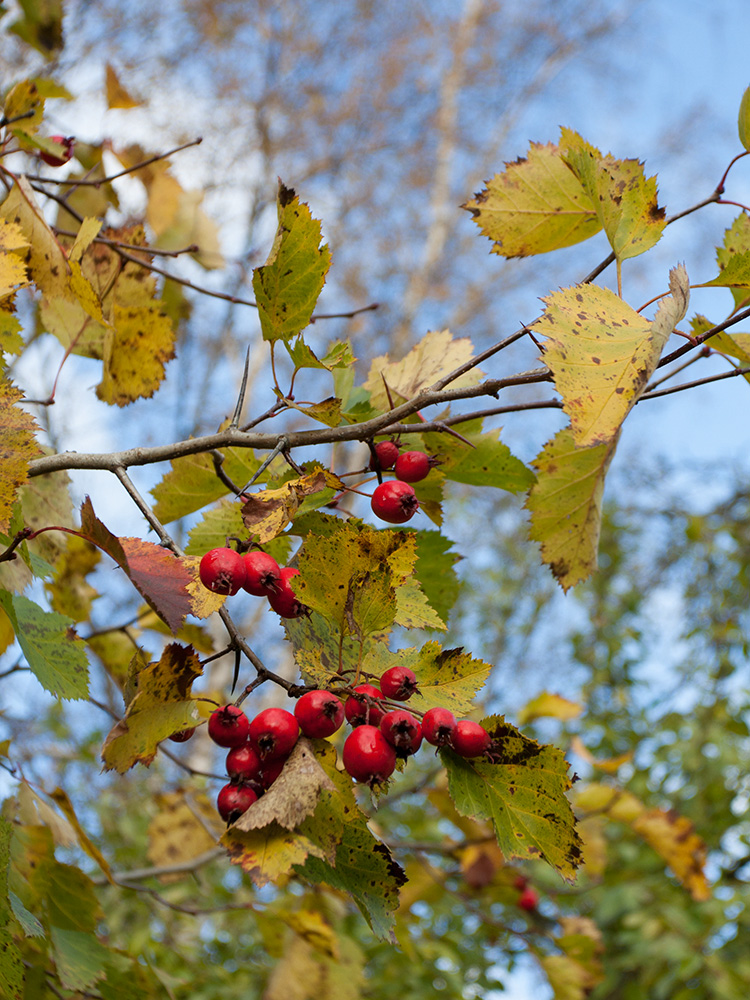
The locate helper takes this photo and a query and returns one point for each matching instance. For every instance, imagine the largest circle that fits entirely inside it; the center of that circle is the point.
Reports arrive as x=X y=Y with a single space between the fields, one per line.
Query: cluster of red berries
x=395 y=500
x=379 y=737
x=225 y=571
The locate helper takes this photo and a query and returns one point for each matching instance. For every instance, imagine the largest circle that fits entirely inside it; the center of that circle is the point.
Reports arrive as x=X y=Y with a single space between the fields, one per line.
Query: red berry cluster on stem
x=226 y=571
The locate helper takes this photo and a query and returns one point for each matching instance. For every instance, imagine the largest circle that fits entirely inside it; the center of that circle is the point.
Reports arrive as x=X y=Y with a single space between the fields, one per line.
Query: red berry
x=273 y=733
x=283 y=600
x=386 y=453
x=233 y=800
x=360 y=711
x=182 y=736
x=57 y=161
x=438 y=726
x=394 y=501
x=243 y=762
x=412 y=466
x=398 y=683
x=528 y=899
x=469 y=739
x=368 y=756
x=271 y=770
x=228 y=726
x=222 y=571
x=319 y=714
x=520 y=882
x=402 y=731
x=262 y=573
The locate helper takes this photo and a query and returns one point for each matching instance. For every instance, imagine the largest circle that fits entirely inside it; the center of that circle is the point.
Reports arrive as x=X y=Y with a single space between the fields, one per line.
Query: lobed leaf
x=449 y=678
x=287 y=286
x=19 y=447
x=486 y=462
x=523 y=794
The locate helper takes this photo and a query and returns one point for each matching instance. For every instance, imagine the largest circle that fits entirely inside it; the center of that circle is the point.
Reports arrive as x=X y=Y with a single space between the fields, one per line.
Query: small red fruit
x=243 y=763
x=402 y=731
x=470 y=739
x=368 y=756
x=438 y=726
x=528 y=899
x=262 y=573
x=228 y=726
x=182 y=736
x=386 y=453
x=319 y=714
x=234 y=800
x=520 y=882
x=283 y=600
x=273 y=733
x=394 y=501
x=412 y=466
x=398 y=683
x=57 y=161
x=360 y=711
x=222 y=571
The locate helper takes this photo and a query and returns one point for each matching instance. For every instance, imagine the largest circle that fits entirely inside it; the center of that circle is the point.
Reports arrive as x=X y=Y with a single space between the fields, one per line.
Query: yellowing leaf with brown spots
x=162 y=705
x=536 y=205
x=17 y=447
x=266 y=513
x=22 y=98
x=624 y=199
x=566 y=505
x=179 y=831
x=44 y=256
x=136 y=353
x=12 y=268
x=449 y=678
x=436 y=355
x=523 y=794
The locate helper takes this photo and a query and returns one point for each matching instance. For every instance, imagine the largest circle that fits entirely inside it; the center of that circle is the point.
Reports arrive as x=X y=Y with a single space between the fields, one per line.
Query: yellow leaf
x=136 y=353
x=675 y=839
x=624 y=199
x=190 y=226
x=61 y=800
x=117 y=95
x=313 y=928
x=22 y=98
x=437 y=354
x=269 y=853
x=203 y=602
x=160 y=706
x=17 y=430
x=44 y=256
x=609 y=766
x=179 y=833
x=743 y=120
x=265 y=514
x=535 y=206
x=549 y=705
x=566 y=505
x=86 y=235
x=12 y=268
x=164 y=194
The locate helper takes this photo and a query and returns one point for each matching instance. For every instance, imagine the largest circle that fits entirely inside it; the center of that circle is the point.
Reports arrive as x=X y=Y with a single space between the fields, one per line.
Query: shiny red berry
x=228 y=726
x=394 y=501
x=182 y=736
x=398 y=683
x=319 y=714
x=412 y=466
x=243 y=762
x=273 y=733
x=222 y=571
x=270 y=771
x=52 y=159
x=283 y=600
x=234 y=800
x=402 y=731
x=438 y=726
x=262 y=573
x=470 y=739
x=368 y=756
x=361 y=710
x=528 y=899
x=386 y=453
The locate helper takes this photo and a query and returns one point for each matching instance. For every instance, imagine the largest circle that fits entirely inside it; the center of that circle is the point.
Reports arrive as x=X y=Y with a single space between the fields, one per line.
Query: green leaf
x=488 y=463
x=287 y=286
x=412 y=608
x=29 y=923
x=434 y=571
x=535 y=206
x=211 y=532
x=566 y=505
x=449 y=678
x=743 y=120
x=52 y=650
x=624 y=199
x=735 y=272
x=192 y=483
x=339 y=355
x=522 y=794
x=79 y=958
